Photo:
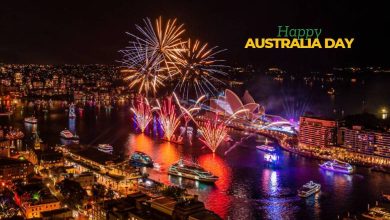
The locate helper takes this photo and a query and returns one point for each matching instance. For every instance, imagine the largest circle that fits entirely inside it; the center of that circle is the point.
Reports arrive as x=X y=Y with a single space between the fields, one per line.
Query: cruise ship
x=66 y=134
x=377 y=213
x=266 y=148
x=106 y=148
x=192 y=171
x=309 y=189
x=140 y=159
x=337 y=166
x=31 y=120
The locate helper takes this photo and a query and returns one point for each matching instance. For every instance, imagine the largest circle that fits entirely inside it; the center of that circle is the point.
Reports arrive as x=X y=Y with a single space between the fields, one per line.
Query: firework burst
x=163 y=40
x=146 y=74
x=149 y=57
x=142 y=114
x=198 y=69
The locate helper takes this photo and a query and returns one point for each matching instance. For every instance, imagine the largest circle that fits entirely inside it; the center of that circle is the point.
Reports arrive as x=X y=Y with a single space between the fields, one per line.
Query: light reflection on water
x=246 y=189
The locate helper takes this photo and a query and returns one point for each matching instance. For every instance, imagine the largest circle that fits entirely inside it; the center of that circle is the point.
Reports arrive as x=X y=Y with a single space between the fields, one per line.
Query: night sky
x=83 y=32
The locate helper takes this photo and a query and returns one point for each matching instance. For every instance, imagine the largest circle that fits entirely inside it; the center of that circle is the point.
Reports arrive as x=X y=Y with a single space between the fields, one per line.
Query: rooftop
x=48 y=155
x=4 y=161
x=44 y=193
x=55 y=212
x=95 y=155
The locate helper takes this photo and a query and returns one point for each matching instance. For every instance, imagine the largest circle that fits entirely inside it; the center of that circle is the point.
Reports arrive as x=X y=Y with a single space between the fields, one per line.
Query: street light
x=384 y=113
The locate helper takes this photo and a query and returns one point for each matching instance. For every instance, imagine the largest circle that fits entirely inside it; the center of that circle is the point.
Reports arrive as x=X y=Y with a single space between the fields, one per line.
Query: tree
x=73 y=193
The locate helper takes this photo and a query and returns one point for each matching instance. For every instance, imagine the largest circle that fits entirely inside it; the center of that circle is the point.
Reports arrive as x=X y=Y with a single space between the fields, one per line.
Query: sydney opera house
x=230 y=103
x=254 y=114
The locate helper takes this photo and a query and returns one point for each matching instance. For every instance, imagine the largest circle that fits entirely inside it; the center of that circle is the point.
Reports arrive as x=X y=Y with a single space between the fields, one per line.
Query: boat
x=176 y=140
x=309 y=189
x=266 y=148
x=380 y=169
x=386 y=197
x=377 y=213
x=271 y=158
x=140 y=159
x=192 y=171
x=31 y=120
x=66 y=134
x=106 y=148
x=337 y=166
x=8 y=113
x=331 y=91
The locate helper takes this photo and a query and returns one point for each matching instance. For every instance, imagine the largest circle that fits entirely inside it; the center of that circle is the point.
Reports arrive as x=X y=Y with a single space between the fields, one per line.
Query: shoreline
x=312 y=155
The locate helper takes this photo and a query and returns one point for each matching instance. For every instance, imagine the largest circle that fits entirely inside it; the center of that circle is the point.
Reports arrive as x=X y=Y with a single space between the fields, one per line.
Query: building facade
x=12 y=169
x=358 y=139
x=317 y=132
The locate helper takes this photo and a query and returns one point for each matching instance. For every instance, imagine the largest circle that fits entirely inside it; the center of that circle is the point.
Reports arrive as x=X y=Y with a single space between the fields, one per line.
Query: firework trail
x=215 y=131
x=171 y=113
x=143 y=114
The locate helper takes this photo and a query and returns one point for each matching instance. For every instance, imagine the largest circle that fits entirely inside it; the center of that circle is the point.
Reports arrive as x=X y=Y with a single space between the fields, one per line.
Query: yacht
x=192 y=171
x=106 y=148
x=140 y=159
x=309 y=189
x=66 y=134
x=31 y=120
x=266 y=148
x=337 y=166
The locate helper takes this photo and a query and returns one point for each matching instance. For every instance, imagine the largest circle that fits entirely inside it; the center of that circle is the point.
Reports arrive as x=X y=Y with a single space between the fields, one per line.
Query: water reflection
x=72 y=125
x=246 y=188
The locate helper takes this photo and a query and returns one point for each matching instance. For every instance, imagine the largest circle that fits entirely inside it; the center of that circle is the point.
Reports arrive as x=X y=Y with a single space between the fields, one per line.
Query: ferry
x=192 y=171
x=66 y=134
x=31 y=120
x=337 y=166
x=309 y=189
x=140 y=159
x=266 y=148
x=106 y=148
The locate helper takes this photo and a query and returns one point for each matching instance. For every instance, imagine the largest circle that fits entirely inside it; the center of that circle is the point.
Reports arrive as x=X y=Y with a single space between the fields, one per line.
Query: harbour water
x=247 y=188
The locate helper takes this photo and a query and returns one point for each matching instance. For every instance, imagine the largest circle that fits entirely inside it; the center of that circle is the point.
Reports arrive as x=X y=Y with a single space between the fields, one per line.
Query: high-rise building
x=315 y=132
x=358 y=139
